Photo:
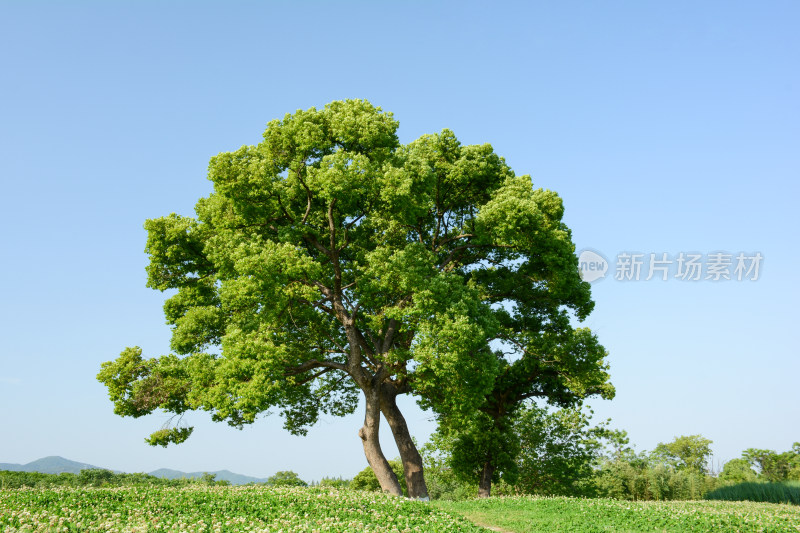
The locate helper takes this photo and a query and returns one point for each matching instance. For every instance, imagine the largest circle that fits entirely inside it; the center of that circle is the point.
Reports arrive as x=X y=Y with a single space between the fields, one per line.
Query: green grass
x=523 y=514
x=218 y=509
x=758 y=492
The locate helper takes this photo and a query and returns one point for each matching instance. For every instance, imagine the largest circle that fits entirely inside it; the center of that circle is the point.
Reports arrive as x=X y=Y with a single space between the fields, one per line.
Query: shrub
x=286 y=478
x=758 y=492
x=366 y=479
x=335 y=482
x=737 y=471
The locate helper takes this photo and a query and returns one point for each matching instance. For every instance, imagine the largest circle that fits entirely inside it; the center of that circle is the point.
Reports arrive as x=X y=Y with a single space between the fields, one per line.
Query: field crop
x=257 y=508
x=218 y=509
x=528 y=514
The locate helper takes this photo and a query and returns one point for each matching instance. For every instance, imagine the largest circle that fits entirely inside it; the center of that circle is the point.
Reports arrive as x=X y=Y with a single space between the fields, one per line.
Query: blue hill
x=57 y=465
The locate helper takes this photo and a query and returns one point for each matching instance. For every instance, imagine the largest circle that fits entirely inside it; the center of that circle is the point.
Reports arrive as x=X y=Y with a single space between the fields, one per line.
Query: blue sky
x=666 y=127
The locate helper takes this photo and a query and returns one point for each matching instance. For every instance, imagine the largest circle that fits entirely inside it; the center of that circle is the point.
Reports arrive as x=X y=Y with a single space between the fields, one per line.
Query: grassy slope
x=556 y=515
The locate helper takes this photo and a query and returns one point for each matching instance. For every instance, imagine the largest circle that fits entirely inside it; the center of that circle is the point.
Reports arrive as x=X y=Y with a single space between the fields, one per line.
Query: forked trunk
x=485 y=485
x=412 y=460
x=372 y=446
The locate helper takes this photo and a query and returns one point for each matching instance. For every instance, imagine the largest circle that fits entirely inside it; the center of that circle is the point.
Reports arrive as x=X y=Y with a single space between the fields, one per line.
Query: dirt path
x=480 y=522
x=493 y=528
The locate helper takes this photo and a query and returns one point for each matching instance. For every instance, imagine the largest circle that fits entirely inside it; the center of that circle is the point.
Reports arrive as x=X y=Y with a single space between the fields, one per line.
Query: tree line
x=101 y=477
x=561 y=453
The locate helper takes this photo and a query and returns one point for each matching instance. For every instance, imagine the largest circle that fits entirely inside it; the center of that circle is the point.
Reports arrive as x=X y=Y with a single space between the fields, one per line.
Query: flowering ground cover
x=524 y=514
x=218 y=509
x=258 y=508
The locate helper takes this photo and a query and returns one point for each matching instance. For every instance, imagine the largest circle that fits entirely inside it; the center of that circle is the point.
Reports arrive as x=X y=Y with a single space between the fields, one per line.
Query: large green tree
x=331 y=262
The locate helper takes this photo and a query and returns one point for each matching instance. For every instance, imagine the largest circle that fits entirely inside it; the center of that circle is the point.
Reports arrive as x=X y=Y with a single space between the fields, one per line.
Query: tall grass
x=759 y=492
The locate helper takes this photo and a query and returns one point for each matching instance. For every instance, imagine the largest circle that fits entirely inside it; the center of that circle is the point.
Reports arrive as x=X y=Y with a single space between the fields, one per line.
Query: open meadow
x=528 y=514
x=258 y=508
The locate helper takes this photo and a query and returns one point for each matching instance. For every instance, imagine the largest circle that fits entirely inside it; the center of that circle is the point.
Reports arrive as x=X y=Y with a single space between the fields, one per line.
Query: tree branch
x=314 y=363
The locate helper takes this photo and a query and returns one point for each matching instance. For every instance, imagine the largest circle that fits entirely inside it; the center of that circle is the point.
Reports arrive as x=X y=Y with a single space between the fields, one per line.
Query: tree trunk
x=412 y=460
x=485 y=486
x=372 y=446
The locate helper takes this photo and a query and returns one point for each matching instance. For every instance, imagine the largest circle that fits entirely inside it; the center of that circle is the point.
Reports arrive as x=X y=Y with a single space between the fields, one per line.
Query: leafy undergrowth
x=218 y=509
x=523 y=514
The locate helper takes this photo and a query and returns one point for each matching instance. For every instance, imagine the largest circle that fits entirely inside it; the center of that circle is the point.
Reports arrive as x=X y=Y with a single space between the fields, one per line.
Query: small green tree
x=558 y=450
x=285 y=478
x=211 y=479
x=685 y=453
x=443 y=482
x=737 y=471
x=621 y=471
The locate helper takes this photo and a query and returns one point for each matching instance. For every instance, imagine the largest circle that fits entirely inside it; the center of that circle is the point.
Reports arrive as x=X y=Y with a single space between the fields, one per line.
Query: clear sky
x=666 y=127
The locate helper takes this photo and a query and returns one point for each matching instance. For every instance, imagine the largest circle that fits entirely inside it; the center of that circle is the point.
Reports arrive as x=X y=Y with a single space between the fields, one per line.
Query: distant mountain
x=226 y=475
x=57 y=465
x=48 y=465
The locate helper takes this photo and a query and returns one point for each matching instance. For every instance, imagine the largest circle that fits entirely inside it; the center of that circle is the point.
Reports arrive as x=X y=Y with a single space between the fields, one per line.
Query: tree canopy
x=332 y=261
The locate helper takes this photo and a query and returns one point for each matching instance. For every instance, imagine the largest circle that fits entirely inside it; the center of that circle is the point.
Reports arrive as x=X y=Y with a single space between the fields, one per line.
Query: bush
x=737 y=471
x=286 y=478
x=366 y=479
x=758 y=492
x=335 y=482
x=97 y=477
x=442 y=481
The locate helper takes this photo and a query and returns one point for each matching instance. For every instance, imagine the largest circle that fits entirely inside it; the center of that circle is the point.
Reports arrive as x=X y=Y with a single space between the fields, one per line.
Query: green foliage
x=527 y=514
x=624 y=474
x=758 y=492
x=559 y=451
x=96 y=477
x=483 y=440
x=87 y=478
x=737 y=471
x=165 y=436
x=443 y=482
x=285 y=478
x=334 y=482
x=773 y=466
x=685 y=453
x=367 y=481
x=211 y=479
x=643 y=481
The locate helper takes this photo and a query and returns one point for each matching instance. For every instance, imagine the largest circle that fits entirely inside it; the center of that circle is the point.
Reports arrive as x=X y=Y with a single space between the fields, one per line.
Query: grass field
x=555 y=515
x=222 y=509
